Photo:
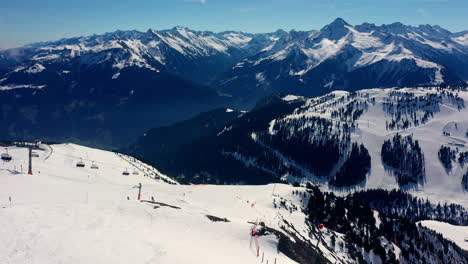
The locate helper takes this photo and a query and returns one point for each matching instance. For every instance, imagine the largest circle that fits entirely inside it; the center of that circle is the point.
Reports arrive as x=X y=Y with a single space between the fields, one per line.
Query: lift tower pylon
x=30 y=162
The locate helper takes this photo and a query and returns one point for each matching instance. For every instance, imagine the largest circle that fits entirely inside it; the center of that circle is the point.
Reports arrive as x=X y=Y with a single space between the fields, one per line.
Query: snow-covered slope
x=458 y=234
x=381 y=107
x=340 y=141
x=63 y=213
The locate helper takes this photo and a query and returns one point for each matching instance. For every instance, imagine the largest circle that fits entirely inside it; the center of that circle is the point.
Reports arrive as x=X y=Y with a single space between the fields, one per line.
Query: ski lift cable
x=142 y=165
x=103 y=163
x=84 y=159
x=109 y=164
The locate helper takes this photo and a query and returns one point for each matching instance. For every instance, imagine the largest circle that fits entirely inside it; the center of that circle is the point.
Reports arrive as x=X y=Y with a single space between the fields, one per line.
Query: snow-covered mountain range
x=88 y=84
x=81 y=89
x=338 y=56
x=196 y=55
x=346 y=57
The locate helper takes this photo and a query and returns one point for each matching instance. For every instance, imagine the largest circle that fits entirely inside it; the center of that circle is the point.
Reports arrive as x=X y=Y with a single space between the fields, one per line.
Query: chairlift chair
x=135 y=172
x=35 y=154
x=125 y=173
x=80 y=164
x=5 y=156
x=94 y=166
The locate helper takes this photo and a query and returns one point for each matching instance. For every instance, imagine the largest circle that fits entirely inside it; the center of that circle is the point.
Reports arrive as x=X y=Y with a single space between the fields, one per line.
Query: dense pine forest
x=409 y=110
x=311 y=142
x=446 y=156
x=395 y=203
x=347 y=215
x=355 y=168
x=403 y=155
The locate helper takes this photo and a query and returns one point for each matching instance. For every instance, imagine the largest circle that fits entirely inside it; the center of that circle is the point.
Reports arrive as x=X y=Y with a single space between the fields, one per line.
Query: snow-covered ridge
x=178 y=50
x=374 y=48
x=340 y=50
x=462 y=39
x=434 y=117
x=141 y=47
x=367 y=44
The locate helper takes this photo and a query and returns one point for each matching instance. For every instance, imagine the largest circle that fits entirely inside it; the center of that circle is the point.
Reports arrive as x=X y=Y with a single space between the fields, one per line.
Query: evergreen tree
x=404 y=156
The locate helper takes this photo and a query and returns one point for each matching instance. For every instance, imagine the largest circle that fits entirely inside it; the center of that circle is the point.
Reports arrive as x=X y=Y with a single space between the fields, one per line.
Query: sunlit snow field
x=65 y=214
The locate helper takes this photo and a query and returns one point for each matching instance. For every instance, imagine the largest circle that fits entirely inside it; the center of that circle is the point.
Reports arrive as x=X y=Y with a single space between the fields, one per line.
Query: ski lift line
x=154 y=170
x=144 y=168
x=135 y=166
x=105 y=163
x=84 y=159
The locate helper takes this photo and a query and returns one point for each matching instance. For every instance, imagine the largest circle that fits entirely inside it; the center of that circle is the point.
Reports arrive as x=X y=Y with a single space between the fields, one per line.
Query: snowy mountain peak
x=177 y=28
x=339 y=22
x=342 y=56
x=335 y=30
x=178 y=50
x=338 y=56
x=280 y=32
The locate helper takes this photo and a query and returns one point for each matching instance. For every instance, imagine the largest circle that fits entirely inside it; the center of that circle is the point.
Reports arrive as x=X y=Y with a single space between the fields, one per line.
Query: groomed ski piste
x=66 y=214
x=447 y=127
x=440 y=186
x=457 y=234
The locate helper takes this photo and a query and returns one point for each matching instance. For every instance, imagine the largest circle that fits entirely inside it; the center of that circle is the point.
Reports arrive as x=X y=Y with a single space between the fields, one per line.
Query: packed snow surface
x=457 y=234
x=447 y=127
x=66 y=214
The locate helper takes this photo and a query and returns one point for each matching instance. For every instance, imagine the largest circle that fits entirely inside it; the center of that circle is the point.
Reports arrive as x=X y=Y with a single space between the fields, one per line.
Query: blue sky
x=26 y=21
